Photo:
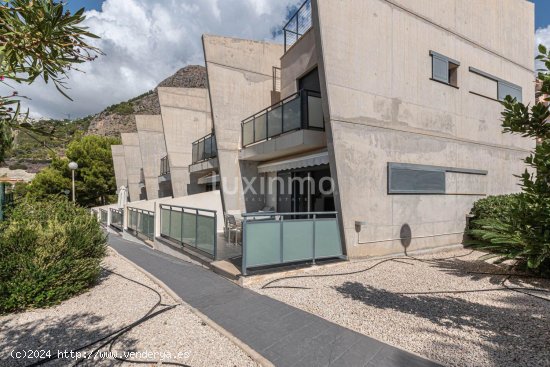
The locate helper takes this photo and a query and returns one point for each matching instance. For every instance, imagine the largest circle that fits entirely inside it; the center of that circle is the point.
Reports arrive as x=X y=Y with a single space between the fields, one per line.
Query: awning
x=209 y=179
x=316 y=159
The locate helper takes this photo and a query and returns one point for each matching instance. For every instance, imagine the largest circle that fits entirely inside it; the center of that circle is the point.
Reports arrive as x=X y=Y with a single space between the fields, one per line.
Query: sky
x=145 y=41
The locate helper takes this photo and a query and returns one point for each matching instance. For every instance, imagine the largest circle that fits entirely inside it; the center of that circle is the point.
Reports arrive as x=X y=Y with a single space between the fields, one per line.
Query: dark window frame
x=451 y=66
x=500 y=82
x=426 y=168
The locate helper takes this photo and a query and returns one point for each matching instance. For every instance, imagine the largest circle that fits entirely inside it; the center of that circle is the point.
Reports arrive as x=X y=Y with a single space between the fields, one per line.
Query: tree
x=38 y=39
x=525 y=234
x=94 y=179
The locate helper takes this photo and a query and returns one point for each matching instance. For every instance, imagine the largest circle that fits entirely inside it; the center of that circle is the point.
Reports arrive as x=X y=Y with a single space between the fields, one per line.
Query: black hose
x=522 y=290
x=151 y=313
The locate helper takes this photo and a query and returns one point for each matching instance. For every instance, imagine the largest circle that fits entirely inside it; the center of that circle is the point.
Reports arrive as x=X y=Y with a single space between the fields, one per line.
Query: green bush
x=49 y=251
x=492 y=207
x=513 y=227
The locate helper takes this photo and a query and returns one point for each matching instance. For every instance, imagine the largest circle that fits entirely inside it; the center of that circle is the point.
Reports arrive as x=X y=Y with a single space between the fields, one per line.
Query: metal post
x=281 y=238
x=243 y=265
x=196 y=227
x=314 y=217
x=74 y=199
x=182 y=212
x=215 y=236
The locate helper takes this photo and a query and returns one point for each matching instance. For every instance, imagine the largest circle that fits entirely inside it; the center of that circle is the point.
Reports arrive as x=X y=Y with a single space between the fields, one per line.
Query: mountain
x=119 y=118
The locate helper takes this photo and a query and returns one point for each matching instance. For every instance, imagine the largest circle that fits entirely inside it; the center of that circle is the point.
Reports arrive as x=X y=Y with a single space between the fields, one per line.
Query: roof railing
x=298 y=24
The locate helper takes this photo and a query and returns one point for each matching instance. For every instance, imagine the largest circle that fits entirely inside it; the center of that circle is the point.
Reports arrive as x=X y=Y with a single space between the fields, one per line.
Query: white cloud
x=147 y=40
x=542 y=36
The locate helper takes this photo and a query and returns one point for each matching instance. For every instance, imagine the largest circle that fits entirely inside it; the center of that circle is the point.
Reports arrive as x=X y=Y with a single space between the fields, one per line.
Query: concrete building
x=186 y=118
x=152 y=149
x=119 y=165
x=134 y=166
x=371 y=131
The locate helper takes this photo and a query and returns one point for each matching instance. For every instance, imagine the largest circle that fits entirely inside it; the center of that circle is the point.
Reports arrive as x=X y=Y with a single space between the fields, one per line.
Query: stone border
x=254 y=355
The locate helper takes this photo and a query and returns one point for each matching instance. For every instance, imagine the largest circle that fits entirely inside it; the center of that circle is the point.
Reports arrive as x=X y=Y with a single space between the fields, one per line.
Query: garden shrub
x=492 y=207
x=49 y=251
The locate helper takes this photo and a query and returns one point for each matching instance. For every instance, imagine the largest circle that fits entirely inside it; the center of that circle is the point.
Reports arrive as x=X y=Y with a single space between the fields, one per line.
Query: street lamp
x=73 y=166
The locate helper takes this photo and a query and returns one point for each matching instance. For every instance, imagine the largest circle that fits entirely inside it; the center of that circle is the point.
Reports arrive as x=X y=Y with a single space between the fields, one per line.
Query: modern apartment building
x=370 y=131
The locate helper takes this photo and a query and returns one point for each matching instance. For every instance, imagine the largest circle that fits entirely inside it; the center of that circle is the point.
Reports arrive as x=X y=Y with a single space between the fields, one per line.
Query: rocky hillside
x=119 y=118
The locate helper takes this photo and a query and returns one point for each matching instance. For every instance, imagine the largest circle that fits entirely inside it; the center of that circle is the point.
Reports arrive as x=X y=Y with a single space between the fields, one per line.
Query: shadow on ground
x=503 y=324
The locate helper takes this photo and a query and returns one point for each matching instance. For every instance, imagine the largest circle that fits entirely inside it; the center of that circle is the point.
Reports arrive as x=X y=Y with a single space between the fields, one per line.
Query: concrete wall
x=240 y=82
x=132 y=158
x=301 y=58
x=186 y=117
x=119 y=164
x=152 y=148
x=375 y=72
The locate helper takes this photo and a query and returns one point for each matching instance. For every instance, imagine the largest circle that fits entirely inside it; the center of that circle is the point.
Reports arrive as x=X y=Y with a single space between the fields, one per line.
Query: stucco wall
x=119 y=165
x=132 y=158
x=152 y=148
x=240 y=81
x=185 y=117
x=383 y=108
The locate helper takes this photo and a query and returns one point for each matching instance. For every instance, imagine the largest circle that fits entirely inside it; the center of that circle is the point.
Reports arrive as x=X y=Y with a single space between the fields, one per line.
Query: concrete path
x=284 y=335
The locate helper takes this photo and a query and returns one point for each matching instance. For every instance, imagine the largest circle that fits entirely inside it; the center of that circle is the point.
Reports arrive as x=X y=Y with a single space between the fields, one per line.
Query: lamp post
x=73 y=166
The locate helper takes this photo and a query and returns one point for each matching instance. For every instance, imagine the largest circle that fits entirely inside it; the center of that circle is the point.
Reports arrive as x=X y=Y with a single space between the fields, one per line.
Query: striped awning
x=311 y=160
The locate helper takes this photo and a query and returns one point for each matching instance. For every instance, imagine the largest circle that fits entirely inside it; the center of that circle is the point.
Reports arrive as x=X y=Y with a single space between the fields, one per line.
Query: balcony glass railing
x=302 y=110
x=298 y=24
x=205 y=148
x=164 y=166
x=190 y=226
x=271 y=239
x=142 y=222
x=117 y=218
x=103 y=216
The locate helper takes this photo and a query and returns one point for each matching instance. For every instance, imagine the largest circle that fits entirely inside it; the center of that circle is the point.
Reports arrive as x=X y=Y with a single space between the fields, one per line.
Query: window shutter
x=508 y=89
x=440 y=69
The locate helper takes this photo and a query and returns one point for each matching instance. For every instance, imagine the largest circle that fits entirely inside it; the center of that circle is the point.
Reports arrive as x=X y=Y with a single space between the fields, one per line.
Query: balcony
x=204 y=154
x=298 y=25
x=293 y=125
x=164 y=170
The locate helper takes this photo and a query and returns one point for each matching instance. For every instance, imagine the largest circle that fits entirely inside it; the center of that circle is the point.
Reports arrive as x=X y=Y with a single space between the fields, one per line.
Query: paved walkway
x=284 y=335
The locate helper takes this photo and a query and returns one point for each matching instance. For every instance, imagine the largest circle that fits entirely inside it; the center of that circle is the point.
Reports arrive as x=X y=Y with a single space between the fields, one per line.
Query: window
x=405 y=178
x=504 y=88
x=444 y=69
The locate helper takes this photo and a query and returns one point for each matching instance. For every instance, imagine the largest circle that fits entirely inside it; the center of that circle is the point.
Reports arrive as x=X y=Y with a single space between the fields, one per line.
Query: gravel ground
x=494 y=328
x=177 y=335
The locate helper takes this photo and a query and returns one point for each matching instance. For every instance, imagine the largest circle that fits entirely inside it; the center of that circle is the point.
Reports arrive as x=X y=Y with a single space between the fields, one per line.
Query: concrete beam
x=240 y=83
x=185 y=117
x=119 y=164
x=132 y=158
x=152 y=148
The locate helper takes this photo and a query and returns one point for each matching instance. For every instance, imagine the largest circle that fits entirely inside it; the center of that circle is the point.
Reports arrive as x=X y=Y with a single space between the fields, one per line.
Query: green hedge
x=499 y=207
x=49 y=252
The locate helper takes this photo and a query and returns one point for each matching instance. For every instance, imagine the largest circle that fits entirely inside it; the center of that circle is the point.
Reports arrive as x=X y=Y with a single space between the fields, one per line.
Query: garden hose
x=113 y=336
x=522 y=290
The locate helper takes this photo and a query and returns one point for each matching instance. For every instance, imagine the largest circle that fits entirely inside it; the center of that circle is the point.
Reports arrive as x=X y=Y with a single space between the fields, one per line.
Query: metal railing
x=164 y=166
x=117 y=218
x=276 y=79
x=271 y=239
x=142 y=222
x=298 y=24
x=103 y=216
x=302 y=110
x=192 y=227
x=204 y=148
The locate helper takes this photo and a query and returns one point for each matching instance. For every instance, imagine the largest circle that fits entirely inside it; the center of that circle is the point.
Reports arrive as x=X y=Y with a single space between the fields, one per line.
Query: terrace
x=292 y=125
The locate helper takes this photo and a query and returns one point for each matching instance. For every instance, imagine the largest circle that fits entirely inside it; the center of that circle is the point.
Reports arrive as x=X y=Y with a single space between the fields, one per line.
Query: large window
x=503 y=87
x=444 y=69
